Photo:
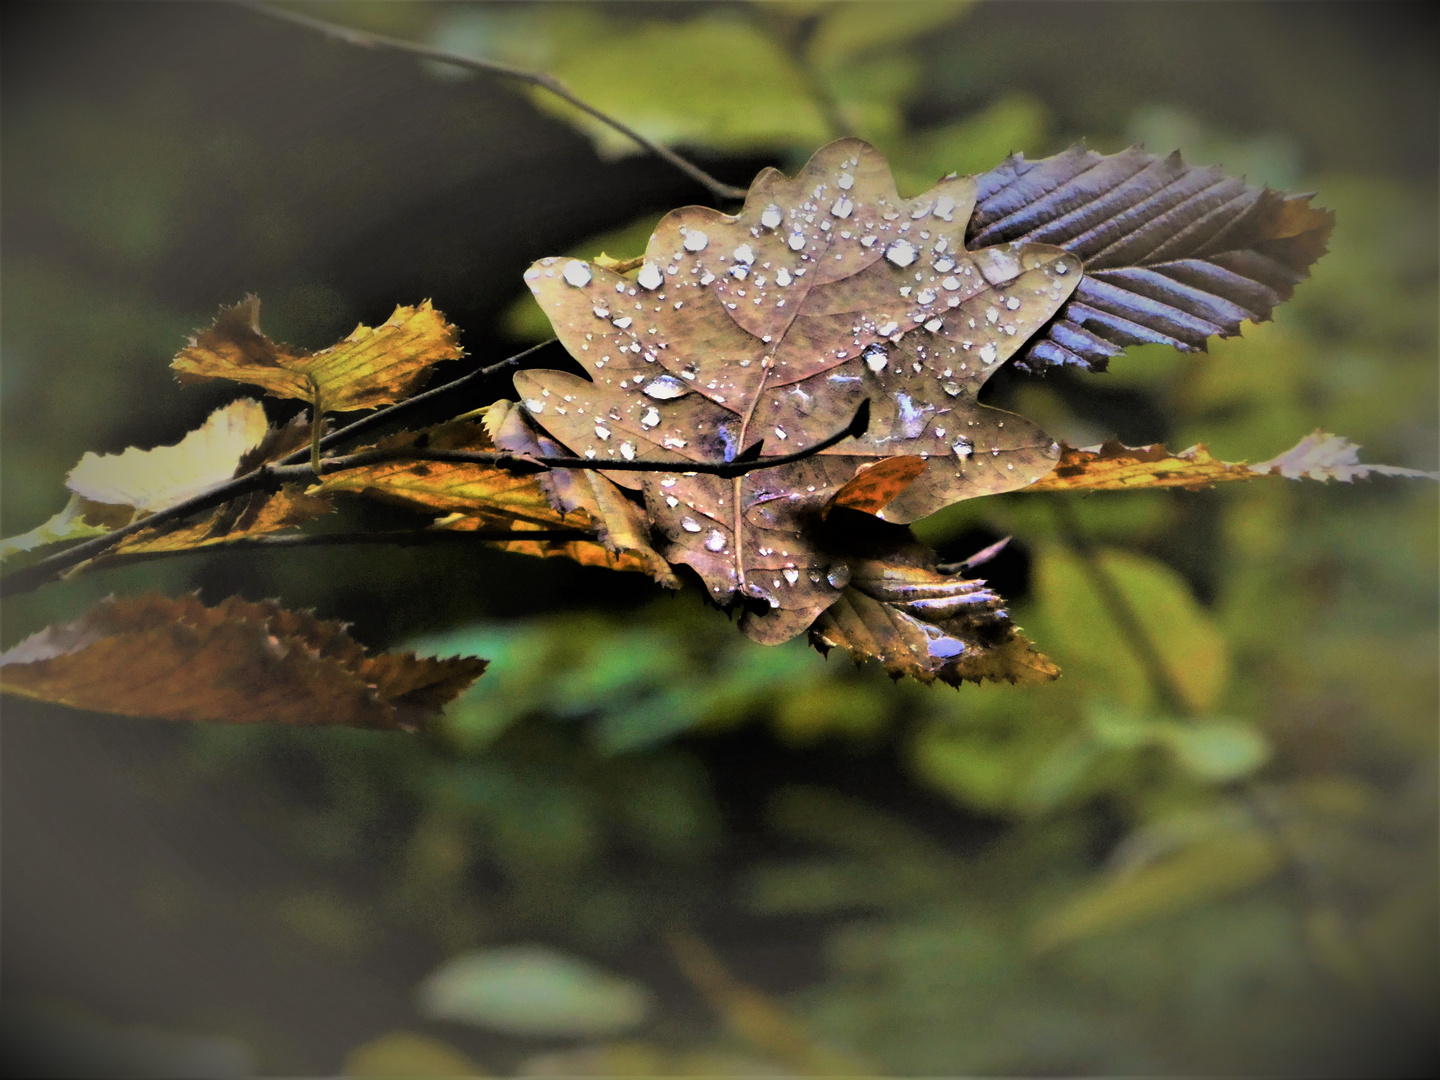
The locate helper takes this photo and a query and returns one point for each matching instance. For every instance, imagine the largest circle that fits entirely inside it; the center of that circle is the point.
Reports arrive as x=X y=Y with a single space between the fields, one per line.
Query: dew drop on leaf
x=577 y=273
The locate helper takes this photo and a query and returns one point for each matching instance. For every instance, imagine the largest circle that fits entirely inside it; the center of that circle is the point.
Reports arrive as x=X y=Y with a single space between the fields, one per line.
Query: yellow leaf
x=69 y=524
x=153 y=480
x=369 y=368
x=257 y=514
x=237 y=662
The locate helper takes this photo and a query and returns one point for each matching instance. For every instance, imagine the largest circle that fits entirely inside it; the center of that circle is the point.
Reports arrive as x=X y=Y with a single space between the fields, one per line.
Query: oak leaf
x=237 y=662
x=1173 y=253
x=775 y=324
x=369 y=368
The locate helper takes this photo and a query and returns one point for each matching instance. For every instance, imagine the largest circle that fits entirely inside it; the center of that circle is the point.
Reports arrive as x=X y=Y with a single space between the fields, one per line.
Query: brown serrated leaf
x=1173 y=253
x=369 y=368
x=257 y=514
x=237 y=662
x=776 y=324
x=1112 y=466
x=876 y=486
x=920 y=621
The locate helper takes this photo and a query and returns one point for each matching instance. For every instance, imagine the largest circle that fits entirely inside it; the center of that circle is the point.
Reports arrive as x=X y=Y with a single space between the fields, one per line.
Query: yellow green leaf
x=408 y=1053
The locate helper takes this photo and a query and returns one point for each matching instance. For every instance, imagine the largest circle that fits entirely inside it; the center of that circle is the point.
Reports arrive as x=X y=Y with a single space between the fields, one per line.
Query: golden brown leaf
x=876 y=486
x=369 y=368
x=257 y=514
x=237 y=662
x=1112 y=466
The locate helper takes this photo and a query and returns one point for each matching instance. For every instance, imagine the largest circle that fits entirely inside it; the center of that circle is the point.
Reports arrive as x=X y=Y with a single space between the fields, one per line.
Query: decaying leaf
x=70 y=523
x=369 y=368
x=774 y=325
x=925 y=622
x=1112 y=466
x=237 y=662
x=1172 y=253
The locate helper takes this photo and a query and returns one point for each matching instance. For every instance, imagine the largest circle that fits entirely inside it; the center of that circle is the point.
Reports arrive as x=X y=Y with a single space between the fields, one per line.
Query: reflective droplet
x=842 y=208
x=887 y=329
x=876 y=358
x=650 y=419
x=944 y=207
x=987 y=352
x=770 y=217
x=577 y=273
x=535 y=405
x=934 y=326
x=901 y=253
x=743 y=254
x=791 y=574
x=715 y=541
x=925 y=296
x=845 y=181
x=601 y=431
x=689 y=524
x=962 y=448
x=782 y=276
x=627 y=451
x=602 y=313
x=780 y=433
x=622 y=323
x=796 y=241
x=695 y=240
x=838 y=576
x=650 y=276
x=1012 y=303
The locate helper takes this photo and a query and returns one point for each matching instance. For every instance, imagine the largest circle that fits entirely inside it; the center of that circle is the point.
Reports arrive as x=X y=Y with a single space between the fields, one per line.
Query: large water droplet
x=876 y=358
x=838 y=576
x=622 y=323
x=689 y=524
x=650 y=418
x=771 y=217
x=715 y=541
x=650 y=276
x=901 y=253
x=627 y=451
x=577 y=273
x=695 y=240
x=842 y=207
x=601 y=431
x=782 y=276
x=987 y=352
x=845 y=181
x=743 y=254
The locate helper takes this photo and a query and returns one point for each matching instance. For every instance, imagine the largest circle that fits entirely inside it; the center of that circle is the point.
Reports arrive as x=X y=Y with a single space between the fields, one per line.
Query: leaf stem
x=365 y=40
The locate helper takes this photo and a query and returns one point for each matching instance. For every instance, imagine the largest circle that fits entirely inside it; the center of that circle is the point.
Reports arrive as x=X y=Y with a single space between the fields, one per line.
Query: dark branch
x=366 y=40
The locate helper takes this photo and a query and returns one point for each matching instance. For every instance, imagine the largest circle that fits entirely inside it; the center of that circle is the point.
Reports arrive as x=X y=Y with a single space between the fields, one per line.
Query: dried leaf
x=257 y=514
x=1173 y=253
x=369 y=368
x=825 y=291
x=1112 y=466
x=876 y=486
x=237 y=662
x=922 y=622
x=153 y=480
x=1321 y=456
x=70 y=523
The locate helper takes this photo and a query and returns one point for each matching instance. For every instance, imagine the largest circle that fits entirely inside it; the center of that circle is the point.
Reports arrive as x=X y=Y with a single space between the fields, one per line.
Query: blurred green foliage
x=1066 y=878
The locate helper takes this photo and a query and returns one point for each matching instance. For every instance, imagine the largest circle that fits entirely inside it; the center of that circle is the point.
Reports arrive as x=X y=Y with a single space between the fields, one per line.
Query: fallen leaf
x=369 y=368
x=237 y=662
x=774 y=325
x=1112 y=466
x=876 y=486
x=1172 y=253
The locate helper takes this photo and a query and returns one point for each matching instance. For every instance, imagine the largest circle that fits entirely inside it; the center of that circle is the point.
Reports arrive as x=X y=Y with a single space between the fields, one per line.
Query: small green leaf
x=1218 y=751
x=534 y=991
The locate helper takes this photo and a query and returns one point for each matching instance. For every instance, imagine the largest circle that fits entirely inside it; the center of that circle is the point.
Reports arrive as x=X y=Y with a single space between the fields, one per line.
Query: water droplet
x=770 y=217
x=987 y=352
x=622 y=323
x=951 y=388
x=671 y=501
x=887 y=329
x=945 y=265
x=944 y=207
x=934 y=325
x=601 y=431
x=689 y=524
x=868 y=241
x=782 y=276
x=650 y=276
x=715 y=541
x=627 y=451
x=650 y=419
x=673 y=443
x=845 y=181
x=1062 y=268
x=901 y=253
x=838 y=576
x=1012 y=303
x=577 y=273
x=952 y=283
x=695 y=240
x=925 y=296
x=962 y=447
x=535 y=405
x=706 y=278
x=743 y=254
x=668 y=482
x=780 y=433
x=842 y=207
x=796 y=241
x=739 y=271
x=602 y=313
x=876 y=357
x=992 y=314
x=791 y=575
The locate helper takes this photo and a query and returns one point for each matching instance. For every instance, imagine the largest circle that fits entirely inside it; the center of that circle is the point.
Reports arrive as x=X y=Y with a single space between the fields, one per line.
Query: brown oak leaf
x=826 y=290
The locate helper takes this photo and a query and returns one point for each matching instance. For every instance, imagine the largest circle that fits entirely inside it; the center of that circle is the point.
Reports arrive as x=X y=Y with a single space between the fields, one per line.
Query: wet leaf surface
x=237 y=662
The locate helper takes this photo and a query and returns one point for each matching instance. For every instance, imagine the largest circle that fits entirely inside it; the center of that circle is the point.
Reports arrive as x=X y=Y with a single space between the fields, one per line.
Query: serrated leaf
x=258 y=514
x=153 y=480
x=1173 y=253
x=776 y=324
x=69 y=524
x=533 y=991
x=369 y=368
x=237 y=662
x=1112 y=466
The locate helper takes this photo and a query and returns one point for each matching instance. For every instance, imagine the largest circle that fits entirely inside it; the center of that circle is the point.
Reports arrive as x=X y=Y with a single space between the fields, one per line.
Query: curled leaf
x=371 y=367
x=1173 y=253
x=237 y=662
x=1321 y=456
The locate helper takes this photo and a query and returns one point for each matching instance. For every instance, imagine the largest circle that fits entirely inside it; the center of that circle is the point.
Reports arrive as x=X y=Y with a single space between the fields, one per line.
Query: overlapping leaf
x=237 y=662
x=826 y=290
x=371 y=367
x=472 y=497
x=1173 y=253
x=1112 y=466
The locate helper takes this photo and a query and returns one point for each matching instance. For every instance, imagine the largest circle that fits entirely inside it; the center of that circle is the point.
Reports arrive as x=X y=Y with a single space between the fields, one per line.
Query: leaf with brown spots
x=1173 y=253
x=369 y=368
x=1112 y=466
x=824 y=291
x=237 y=662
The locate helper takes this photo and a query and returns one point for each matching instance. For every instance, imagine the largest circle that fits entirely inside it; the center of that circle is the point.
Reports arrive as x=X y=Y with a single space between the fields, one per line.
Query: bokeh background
x=643 y=844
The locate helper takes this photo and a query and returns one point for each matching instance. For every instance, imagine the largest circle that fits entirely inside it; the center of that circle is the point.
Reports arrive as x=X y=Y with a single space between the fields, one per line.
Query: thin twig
x=271 y=477
x=366 y=40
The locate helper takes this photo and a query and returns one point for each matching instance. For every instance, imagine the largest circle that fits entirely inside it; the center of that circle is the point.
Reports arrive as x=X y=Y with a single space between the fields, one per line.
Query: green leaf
x=1218 y=751
x=68 y=524
x=530 y=990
